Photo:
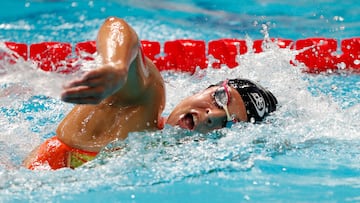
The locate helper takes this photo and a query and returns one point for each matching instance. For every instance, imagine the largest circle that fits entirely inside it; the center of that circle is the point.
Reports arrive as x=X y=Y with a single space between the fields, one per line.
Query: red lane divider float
x=225 y=51
x=50 y=55
x=318 y=54
x=18 y=49
x=351 y=53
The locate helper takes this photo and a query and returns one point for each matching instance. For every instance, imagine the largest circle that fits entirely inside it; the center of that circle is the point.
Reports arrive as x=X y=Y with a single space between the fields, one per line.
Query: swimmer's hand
x=95 y=85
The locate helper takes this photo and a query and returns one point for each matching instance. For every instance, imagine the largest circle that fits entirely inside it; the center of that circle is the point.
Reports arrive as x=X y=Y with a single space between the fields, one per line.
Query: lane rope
x=185 y=55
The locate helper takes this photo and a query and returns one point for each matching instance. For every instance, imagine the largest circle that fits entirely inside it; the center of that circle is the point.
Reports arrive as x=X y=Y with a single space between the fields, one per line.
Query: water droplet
x=247 y=197
x=252 y=120
x=91 y=4
x=74 y=4
x=341 y=65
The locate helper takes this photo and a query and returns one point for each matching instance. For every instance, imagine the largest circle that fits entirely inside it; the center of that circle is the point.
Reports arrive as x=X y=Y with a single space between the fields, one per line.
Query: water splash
x=304 y=120
x=36 y=82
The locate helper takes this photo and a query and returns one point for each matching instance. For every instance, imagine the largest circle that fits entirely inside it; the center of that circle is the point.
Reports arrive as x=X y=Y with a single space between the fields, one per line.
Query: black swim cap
x=258 y=101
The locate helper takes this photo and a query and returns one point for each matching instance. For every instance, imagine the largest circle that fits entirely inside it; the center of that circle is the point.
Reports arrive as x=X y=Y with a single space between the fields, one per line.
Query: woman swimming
x=127 y=94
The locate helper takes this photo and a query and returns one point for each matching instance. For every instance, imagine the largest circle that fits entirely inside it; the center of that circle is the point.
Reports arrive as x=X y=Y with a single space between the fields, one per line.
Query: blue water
x=67 y=20
x=307 y=151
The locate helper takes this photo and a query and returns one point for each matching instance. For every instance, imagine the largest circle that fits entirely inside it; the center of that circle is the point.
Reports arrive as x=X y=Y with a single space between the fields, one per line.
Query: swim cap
x=258 y=101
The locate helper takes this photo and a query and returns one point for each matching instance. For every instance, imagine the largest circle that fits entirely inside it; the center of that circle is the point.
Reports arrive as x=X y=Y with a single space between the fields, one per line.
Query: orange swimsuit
x=55 y=154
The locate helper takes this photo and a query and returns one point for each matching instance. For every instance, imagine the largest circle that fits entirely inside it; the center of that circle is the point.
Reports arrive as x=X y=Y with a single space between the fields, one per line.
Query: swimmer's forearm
x=118 y=46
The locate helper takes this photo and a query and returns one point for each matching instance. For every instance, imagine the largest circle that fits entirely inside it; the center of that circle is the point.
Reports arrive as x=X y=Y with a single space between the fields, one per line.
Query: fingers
x=94 y=86
x=89 y=83
x=91 y=79
x=83 y=95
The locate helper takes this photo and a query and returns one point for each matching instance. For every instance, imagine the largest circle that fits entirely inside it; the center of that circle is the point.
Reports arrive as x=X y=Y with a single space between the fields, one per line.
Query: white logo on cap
x=258 y=102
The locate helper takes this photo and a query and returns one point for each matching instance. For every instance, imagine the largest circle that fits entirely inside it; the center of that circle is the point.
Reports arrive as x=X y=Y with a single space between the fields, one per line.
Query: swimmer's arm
x=118 y=45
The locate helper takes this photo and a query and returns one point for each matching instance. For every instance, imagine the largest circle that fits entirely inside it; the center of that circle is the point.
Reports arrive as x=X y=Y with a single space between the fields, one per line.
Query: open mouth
x=187 y=121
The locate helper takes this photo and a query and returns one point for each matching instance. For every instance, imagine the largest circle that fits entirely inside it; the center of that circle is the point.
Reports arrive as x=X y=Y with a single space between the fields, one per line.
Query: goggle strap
x=227 y=113
x=224 y=84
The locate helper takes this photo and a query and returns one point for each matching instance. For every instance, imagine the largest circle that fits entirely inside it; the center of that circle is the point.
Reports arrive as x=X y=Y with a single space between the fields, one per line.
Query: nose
x=212 y=118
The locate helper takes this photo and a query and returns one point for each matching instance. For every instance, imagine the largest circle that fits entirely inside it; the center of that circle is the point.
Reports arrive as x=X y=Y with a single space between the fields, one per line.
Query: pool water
x=306 y=151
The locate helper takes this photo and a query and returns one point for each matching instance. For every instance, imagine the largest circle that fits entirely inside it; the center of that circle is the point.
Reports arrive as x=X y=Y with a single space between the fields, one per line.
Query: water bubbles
x=341 y=66
x=91 y=4
x=338 y=18
x=265 y=30
x=82 y=18
x=74 y=4
x=334 y=87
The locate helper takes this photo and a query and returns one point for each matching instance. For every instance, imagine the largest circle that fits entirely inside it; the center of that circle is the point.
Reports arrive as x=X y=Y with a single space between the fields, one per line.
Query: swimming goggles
x=222 y=99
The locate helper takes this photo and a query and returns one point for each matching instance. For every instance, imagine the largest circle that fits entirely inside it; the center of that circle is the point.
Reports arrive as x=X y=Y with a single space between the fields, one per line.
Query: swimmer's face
x=201 y=113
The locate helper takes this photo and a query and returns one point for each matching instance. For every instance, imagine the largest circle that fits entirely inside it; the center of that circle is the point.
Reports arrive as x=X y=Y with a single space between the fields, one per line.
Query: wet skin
x=127 y=94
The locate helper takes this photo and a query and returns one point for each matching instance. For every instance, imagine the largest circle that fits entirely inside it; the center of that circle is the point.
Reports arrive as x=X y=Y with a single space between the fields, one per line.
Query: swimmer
x=127 y=94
